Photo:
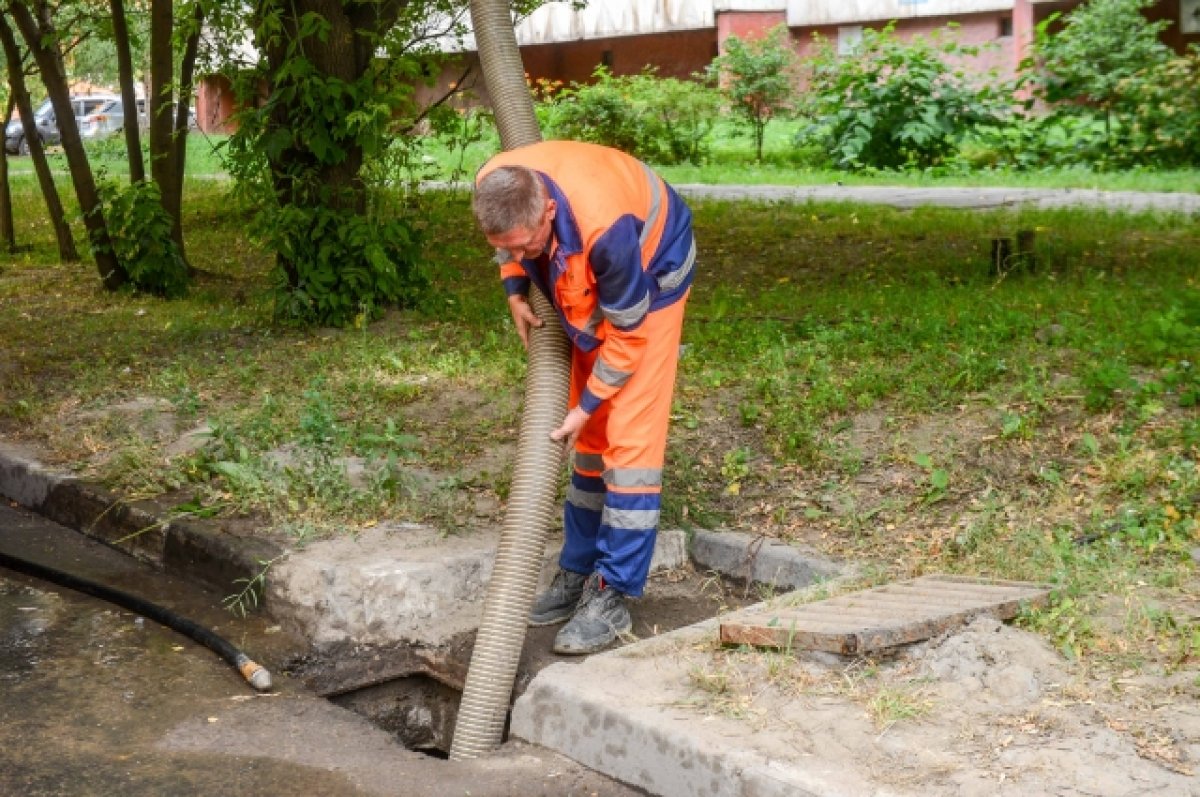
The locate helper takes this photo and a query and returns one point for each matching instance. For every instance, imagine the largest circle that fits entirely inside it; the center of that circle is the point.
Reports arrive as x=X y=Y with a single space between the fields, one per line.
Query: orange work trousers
x=611 y=514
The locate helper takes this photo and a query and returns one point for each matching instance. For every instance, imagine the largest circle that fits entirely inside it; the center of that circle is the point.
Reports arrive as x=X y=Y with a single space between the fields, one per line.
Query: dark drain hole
x=418 y=710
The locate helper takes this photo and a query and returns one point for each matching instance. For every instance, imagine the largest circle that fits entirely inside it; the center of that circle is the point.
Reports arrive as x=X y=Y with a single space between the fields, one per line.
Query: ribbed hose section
x=504 y=73
x=531 y=506
x=484 y=706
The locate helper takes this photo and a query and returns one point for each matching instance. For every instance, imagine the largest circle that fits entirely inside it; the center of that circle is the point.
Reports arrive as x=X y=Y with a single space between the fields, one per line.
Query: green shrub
x=1087 y=65
x=1035 y=141
x=140 y=231
x=1163 y=106
x=758 y=79
x=347 y=266
x=663 y=120
x=896 y=104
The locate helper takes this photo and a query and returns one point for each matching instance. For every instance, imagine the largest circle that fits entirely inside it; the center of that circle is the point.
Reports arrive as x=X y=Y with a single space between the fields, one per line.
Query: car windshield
x=91 y=106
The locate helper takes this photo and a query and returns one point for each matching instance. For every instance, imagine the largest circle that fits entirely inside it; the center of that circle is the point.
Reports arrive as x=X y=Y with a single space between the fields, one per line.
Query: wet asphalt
x=97 y=701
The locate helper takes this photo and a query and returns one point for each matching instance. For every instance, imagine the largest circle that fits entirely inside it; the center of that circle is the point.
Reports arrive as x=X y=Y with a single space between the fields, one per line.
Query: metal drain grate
x=884 y=617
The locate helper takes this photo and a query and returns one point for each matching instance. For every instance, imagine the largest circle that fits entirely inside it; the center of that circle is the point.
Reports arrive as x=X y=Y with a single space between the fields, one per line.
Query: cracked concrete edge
x=215 y=557
x=611 y=713
x=761 y=560
x=644 y=747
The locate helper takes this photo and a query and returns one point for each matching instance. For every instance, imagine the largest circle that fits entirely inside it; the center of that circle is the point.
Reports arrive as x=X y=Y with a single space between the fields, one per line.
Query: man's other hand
x=572 y=425
x=523 y=316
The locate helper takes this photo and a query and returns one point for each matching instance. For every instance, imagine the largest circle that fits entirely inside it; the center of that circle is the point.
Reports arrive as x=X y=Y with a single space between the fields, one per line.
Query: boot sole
x=594 y=648
x=532 y=623
x=537 y=621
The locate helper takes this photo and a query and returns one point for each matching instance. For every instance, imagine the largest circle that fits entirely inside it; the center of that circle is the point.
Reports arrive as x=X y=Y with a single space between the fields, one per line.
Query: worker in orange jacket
x=611 y=244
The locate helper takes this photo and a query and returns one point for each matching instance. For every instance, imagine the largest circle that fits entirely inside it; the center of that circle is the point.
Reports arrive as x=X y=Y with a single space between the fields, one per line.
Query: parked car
x=98 y=116
x=109 y=120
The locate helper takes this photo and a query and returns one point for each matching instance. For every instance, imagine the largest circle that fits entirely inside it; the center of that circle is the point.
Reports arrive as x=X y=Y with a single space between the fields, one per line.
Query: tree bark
x=41 y=40
x=8 y=234
x=133 y=143
x=187 y=73
x=345 y=55
x=160 y=106
x=37 y=153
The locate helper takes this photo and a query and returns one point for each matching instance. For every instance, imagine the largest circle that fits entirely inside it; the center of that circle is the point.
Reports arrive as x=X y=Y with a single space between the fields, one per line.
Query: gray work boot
x=599 y=619
x=558 y=602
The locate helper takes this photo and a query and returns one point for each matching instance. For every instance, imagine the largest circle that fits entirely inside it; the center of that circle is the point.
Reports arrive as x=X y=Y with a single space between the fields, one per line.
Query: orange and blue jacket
x=624 y=249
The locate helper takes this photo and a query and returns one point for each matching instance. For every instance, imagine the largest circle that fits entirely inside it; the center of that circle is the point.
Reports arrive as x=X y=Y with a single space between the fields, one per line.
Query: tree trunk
x=8 y=234
x=345 y=54
x=41 y=39
x=37 y=153
x=160 y=107
x=187 y=72
x=133 y=143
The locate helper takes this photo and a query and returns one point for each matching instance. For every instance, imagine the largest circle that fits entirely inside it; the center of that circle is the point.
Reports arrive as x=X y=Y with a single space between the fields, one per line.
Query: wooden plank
x=884 y=617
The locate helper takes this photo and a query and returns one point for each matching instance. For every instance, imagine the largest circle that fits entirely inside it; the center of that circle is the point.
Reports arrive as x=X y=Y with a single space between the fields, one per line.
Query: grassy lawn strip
x=855 y=378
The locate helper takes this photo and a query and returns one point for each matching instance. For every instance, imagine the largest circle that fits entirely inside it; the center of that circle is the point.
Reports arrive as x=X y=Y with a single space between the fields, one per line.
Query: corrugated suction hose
x=531 y=506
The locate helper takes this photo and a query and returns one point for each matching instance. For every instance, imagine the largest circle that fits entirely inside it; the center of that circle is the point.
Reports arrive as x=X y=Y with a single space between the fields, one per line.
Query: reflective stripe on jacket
x=624 y=248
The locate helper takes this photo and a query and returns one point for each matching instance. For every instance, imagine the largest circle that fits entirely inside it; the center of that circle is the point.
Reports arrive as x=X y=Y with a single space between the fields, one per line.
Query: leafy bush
x=663 y=120
x=1030 y=141
x=1163 y=103
x=758 y=79
x=348 y=266
x=1087 y=65
x=140 y=231
x=897 y=104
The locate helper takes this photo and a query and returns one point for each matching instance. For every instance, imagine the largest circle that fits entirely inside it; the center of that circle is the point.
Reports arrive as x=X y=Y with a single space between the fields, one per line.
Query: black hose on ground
x=255 y=674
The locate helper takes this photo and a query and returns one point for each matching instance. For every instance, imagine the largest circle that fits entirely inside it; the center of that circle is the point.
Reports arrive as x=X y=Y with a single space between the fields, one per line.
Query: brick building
x=680 y=37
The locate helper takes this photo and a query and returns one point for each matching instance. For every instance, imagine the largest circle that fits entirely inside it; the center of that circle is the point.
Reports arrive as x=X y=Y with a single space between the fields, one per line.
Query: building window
x=606 y=59
x=1189 y=16
x=849 y=38
x=1005 y=27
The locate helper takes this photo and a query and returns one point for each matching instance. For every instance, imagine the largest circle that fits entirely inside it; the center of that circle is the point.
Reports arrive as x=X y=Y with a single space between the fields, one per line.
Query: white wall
x=808 y=13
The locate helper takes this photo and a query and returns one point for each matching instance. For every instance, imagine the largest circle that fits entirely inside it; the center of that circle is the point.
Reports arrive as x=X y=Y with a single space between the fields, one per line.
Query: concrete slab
x=973 y=198
x=995 y=711
x=402 y=582
x=625 y=714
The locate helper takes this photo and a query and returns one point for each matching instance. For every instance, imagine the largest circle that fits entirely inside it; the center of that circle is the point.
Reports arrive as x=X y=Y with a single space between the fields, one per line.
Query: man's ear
x=551 y=208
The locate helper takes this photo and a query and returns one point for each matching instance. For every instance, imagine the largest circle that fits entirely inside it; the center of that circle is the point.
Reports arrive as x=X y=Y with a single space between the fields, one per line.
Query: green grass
x=731 y=162
x=855 y=378
x=108 y=157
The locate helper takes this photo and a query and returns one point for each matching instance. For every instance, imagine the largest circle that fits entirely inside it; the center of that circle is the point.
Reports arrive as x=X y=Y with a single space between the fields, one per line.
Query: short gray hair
x=507 y=198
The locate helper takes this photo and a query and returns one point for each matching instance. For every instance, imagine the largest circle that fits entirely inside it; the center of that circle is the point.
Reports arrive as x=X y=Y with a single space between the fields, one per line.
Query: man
x=611 y=244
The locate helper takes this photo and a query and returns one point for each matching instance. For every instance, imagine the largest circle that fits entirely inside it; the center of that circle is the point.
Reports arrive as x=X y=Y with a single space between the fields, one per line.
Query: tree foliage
x=1101 y=46
x=312 y=150
x=1164 y=117
x=758 y=78
x=895 y=103
x=140 y=230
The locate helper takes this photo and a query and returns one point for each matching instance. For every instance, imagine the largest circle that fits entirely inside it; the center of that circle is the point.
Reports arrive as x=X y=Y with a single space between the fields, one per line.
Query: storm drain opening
x=418 y=710
x=413 y=691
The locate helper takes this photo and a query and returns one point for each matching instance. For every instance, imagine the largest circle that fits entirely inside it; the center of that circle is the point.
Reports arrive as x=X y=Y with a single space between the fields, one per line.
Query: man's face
x=524 y=243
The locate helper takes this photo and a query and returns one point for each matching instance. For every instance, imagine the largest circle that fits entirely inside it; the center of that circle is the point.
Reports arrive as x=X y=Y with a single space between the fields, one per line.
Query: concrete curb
x=620 y=713
x=760 y=560
x=216 y=557
x=391 y=584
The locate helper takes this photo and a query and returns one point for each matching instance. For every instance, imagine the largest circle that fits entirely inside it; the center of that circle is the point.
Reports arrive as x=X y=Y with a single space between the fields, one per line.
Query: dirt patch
x=991 y=709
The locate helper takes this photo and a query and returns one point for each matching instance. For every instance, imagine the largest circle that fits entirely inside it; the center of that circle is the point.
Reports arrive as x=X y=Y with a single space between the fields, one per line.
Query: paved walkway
x=976 y=197
x=980 y=198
